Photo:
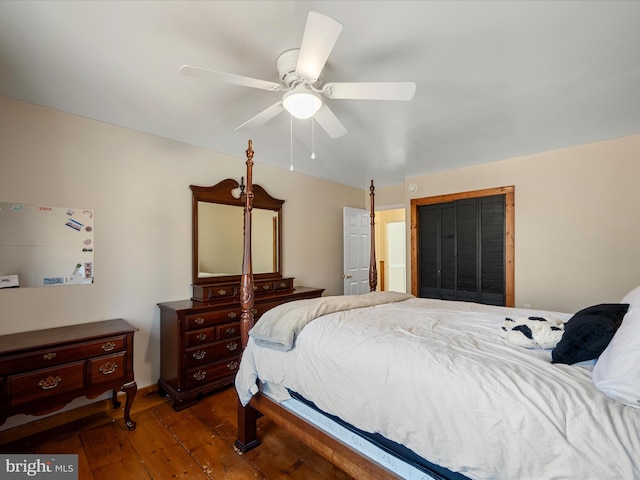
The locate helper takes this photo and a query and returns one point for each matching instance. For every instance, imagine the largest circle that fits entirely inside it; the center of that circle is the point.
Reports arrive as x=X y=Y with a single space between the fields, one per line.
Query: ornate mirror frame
x=222 y=193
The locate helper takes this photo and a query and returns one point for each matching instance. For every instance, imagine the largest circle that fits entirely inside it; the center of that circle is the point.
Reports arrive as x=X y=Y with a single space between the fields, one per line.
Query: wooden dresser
x=43 y=370
x=200 y=341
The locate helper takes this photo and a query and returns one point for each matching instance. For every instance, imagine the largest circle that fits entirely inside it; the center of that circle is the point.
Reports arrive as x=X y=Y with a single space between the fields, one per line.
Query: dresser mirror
x=42 y=245
x=218 y=223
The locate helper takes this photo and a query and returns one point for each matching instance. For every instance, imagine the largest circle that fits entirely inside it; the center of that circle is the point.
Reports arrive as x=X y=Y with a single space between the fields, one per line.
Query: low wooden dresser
x=200 y=341
x=43 y=370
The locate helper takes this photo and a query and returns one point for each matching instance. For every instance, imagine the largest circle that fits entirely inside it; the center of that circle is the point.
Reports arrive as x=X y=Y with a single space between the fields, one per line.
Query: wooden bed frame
x=337 y=452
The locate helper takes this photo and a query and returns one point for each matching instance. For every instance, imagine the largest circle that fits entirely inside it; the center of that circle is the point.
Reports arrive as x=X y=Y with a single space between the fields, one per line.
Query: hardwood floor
x=195 y=443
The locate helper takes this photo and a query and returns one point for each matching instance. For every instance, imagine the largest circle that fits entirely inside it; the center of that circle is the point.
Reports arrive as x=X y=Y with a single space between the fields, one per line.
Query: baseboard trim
x=59 y=419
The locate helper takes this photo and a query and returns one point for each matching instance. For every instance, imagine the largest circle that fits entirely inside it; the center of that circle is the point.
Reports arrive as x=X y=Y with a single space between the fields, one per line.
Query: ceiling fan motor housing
x=286 y=65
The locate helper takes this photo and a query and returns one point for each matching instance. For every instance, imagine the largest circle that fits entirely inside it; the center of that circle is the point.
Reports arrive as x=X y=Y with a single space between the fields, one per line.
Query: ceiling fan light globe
x=301 y=103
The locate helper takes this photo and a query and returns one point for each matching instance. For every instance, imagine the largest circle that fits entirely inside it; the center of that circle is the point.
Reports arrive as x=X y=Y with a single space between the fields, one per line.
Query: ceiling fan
x=299 y=72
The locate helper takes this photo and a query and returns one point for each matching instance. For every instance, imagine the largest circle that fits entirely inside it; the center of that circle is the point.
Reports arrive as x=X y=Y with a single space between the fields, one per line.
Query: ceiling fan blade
x=370 y=90
x=229 y=78
x=262 y=118
x=329 y=122
x=319 y=37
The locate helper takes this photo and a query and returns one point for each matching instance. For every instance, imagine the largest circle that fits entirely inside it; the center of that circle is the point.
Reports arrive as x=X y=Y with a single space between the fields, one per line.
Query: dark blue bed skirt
x=391 y=447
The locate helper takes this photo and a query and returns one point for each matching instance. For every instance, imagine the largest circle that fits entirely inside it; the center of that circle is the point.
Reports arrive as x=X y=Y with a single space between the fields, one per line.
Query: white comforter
x=437 y=377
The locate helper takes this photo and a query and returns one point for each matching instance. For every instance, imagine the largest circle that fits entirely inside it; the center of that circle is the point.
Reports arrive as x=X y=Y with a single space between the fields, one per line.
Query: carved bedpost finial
x=249 y=151
x=373 y=270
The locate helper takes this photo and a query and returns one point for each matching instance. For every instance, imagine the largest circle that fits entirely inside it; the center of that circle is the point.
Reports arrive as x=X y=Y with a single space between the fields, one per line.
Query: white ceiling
x=495 y=79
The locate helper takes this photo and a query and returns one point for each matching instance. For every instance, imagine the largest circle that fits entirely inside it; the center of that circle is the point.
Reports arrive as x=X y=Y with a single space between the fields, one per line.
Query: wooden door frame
x=509 y=192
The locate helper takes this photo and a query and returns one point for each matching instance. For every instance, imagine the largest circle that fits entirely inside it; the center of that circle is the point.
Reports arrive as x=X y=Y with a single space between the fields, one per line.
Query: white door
x=357 y=245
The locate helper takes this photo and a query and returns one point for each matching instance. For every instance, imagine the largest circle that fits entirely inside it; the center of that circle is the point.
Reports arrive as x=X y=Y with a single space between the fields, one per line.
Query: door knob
x=346 y=276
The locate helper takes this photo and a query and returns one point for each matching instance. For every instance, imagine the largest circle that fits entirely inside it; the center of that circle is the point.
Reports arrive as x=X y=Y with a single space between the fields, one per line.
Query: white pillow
x=617 y=372
x=632 y=298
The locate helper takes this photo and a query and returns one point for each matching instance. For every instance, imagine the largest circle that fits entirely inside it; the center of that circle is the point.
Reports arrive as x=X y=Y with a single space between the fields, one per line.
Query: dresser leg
x=130 y=390
x=114 y=399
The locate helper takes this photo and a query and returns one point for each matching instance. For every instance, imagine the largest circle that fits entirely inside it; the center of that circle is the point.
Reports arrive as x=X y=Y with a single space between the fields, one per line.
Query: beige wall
x=577 y=232
x=138 y=187
x=386 y=197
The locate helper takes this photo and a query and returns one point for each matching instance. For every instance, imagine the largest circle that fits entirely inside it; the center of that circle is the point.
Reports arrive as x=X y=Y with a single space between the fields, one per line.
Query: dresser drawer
x=211 y=352
x=283 y=284
x=212 y=372
x=215 y=292
x=200 y=337
x=60 y=355
x=263 y=286
x=45 y=383
x=229 y=330
x=107 y=369
x=206 y=319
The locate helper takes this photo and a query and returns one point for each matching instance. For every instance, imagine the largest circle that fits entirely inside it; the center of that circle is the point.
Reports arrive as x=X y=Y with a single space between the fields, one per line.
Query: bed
x=442 y=389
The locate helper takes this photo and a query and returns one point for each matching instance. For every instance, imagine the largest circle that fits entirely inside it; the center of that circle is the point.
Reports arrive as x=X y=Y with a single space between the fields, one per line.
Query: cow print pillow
x=533 y=332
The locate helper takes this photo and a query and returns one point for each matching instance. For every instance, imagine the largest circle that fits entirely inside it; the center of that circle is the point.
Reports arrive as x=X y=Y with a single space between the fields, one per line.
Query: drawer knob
x=49 y=356
x=199 y=354
x=267 y=286
x=232 y=365
x=199 y=375
x=108 y=368
x=199 y=320
x=49 y=382
x=201 y=337
x=231 y=330
x=254 y=310
x=283 y=284
x=107 y=347
x=231 y=346
x=222 y=291
x=232 y=315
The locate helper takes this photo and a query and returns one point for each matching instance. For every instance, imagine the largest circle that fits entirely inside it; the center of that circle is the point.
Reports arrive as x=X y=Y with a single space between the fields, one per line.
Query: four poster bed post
x=246 y=281
x=373 y=271
x=332 y=449
x=247 y=416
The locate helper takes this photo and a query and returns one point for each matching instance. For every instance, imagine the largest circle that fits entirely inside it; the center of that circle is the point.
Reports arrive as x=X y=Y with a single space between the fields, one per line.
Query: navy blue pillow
x=588 y=333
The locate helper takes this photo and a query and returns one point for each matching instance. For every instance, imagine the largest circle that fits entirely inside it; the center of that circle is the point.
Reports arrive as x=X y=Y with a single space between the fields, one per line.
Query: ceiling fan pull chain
x=313 y=141
x=291 y=144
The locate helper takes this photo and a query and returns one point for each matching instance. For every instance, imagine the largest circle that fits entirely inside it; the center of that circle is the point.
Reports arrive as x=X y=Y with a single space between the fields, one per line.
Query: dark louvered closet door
x=429 y=253
x=467 y=258
x=492 y=250
x=462 y=250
